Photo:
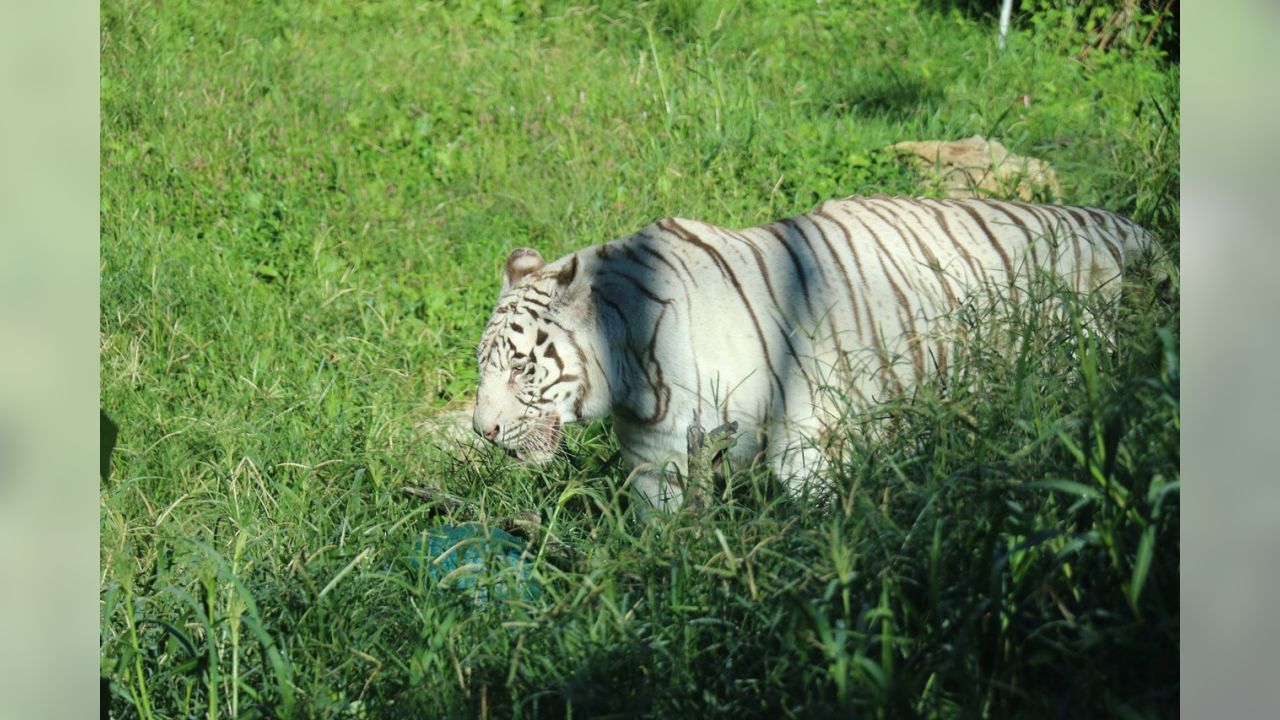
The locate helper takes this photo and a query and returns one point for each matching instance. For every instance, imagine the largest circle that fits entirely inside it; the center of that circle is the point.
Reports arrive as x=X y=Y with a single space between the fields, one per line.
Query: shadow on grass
x=893 y=94
x=594 y=690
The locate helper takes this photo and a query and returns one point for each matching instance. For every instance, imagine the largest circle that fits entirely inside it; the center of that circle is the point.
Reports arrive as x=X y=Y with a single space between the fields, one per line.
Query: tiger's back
x=686 y=320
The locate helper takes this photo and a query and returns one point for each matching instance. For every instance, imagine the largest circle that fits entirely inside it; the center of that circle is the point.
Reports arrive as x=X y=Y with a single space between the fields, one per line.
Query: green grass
x=305 y=207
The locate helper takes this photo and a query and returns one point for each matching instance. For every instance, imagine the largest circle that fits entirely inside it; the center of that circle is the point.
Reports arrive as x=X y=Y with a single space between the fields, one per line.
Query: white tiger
x=686 y=320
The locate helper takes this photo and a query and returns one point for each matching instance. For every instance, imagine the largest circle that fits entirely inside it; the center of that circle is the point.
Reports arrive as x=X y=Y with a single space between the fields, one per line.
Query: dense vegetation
x=305 y=206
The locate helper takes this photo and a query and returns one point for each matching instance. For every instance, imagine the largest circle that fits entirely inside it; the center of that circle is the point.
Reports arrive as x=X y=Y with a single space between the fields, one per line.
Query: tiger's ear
x=567 y=273
x=520 y=262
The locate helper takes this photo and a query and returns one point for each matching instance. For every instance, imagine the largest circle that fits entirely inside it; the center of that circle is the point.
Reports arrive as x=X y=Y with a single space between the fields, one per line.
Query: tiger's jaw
x=537 y=445
x=532 y=439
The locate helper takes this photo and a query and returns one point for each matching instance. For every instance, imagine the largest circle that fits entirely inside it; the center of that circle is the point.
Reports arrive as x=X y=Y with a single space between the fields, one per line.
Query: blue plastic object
x=483 y=561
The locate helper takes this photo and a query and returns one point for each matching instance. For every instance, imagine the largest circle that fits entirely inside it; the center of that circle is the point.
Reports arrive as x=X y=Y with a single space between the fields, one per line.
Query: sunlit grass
x=304 y=211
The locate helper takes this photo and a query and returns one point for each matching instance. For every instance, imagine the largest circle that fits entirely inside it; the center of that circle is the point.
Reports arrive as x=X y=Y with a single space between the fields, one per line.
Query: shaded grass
x=304 y=209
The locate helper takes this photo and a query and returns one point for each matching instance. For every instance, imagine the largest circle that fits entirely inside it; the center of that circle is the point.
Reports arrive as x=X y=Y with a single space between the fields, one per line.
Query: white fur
x=670 y=299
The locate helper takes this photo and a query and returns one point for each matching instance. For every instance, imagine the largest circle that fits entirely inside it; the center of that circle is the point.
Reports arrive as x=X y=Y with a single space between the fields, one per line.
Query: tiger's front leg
x=797 y=458
x=658 y=462
x=659 y=488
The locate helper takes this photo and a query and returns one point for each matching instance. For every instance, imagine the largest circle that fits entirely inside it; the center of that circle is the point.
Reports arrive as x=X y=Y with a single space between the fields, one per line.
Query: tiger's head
x=533 y=359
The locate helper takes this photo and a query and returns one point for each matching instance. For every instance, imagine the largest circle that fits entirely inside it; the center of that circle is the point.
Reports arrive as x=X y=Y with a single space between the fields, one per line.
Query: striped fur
x=685 y=319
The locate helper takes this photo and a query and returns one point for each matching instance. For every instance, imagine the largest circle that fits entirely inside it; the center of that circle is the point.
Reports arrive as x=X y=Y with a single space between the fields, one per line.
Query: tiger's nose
x=486 y=430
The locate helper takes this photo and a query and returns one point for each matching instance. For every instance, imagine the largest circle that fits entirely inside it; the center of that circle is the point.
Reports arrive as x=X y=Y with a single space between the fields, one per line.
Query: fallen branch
x=705 y=454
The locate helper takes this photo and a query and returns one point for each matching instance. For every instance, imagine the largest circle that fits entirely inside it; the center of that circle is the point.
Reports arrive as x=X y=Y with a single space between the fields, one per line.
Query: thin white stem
x=1006 y=8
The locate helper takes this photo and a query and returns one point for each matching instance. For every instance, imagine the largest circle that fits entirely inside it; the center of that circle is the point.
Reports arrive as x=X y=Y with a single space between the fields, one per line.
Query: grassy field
x=305 y=207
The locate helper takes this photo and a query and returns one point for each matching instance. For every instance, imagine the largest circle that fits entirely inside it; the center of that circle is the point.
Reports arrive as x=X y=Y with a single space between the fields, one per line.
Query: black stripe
x=982 y=224
x=1082 y=232
x=931 y=260
x=909 y=325
x=980 y=274
x=885 y=254
x=801 y=275
x=817 y=261
x=900 y=215
x=783 y=331
x=1055 y=225
x=626 y=382
x=660 y=391
x=947 y=233
x=891 y=217
x=636 y=282
x=641 y=241
x=551 y=354
x=687 y=236
x=1021 y=225
x=887 y=372
x=853 y=246
x=633 y=257
x=884 y=251
x=657 y=256
x=1101 y=224
x=848 y=239
x=760 y=265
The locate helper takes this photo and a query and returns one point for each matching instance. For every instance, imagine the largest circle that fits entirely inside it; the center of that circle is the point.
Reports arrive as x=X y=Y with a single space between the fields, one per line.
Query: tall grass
x=304 y=210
